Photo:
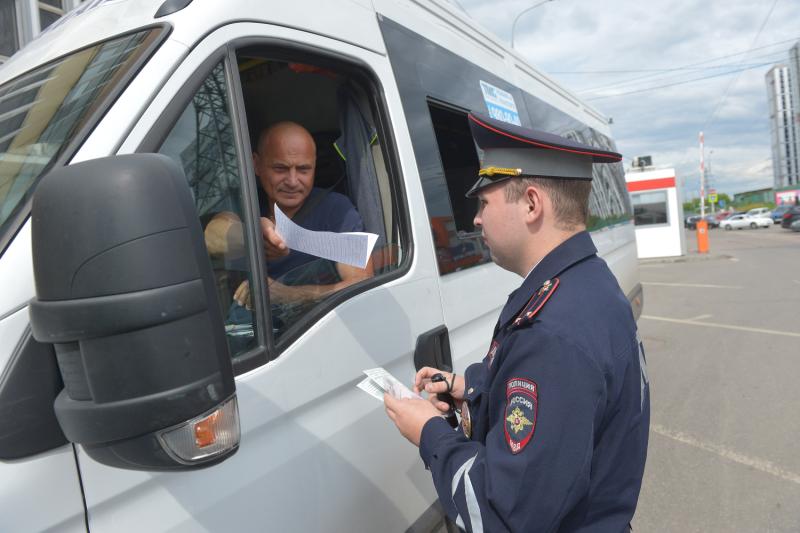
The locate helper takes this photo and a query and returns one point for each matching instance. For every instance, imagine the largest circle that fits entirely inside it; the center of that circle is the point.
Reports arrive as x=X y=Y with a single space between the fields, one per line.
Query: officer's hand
x=409 y=416
x=422 y=381
x=273 y=242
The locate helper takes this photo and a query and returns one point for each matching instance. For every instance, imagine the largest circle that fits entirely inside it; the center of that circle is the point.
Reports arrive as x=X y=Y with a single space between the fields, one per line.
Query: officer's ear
x=533 y=200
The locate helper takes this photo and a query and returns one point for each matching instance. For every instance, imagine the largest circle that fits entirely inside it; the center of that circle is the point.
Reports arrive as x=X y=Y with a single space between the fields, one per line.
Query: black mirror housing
x=125 y=292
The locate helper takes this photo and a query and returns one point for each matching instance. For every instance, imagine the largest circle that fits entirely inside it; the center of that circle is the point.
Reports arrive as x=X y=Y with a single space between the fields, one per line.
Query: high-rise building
x=794 y=82
x=783 y=126
x=22 y=20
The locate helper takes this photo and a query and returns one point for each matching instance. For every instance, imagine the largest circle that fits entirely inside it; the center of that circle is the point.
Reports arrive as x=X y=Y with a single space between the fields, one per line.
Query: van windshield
x=43 y=111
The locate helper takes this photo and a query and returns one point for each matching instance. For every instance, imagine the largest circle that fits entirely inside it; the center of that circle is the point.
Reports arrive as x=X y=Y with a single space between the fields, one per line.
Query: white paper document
x=379 y=381
x=350 y=248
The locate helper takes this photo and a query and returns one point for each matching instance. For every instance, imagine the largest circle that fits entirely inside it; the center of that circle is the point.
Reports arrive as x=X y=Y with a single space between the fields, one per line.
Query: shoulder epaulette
x=536 y=303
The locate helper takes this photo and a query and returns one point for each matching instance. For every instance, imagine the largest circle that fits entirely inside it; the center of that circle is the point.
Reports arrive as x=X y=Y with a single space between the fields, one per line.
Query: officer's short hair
x=570 y=198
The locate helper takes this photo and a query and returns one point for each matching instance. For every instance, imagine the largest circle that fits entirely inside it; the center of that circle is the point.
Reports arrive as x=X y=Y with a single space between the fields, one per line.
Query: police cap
x=511 y=151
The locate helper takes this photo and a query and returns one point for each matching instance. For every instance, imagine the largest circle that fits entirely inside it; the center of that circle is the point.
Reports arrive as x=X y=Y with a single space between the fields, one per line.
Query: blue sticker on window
x=500 y=103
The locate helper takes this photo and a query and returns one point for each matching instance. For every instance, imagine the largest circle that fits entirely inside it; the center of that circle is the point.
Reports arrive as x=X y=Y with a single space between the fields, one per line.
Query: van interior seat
x=331 y=172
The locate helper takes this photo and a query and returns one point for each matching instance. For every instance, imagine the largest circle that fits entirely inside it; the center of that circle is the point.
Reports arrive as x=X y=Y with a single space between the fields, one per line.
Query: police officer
x=554 y=420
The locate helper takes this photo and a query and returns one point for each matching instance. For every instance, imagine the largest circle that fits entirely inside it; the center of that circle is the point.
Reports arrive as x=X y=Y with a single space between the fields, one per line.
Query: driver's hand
x=273 y=242
x=242 y=295
x=280 y=293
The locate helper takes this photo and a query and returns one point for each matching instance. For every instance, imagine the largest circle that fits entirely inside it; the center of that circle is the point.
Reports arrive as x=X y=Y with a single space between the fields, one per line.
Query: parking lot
x=722 y=336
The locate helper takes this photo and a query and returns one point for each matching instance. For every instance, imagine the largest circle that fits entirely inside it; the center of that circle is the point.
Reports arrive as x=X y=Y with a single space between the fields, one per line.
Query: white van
x=763 y=212
x=193 y=414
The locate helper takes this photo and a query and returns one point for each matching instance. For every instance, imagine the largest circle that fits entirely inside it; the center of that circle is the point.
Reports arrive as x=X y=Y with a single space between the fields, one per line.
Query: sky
x=657 y=51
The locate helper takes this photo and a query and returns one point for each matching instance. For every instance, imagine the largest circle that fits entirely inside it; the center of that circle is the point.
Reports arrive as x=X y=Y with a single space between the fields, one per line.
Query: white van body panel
x=617 y=246
x=42 y=494
x=52 y=476
x=12 y=327
x=317 y=454
x=16 y=278
x=310 y=439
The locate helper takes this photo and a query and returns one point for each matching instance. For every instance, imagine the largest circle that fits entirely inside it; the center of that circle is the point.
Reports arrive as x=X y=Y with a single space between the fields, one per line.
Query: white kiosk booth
x=657 y=211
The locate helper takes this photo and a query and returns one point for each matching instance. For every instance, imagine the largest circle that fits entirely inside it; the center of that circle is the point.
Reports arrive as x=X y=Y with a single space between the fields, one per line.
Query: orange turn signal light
x=205 y=430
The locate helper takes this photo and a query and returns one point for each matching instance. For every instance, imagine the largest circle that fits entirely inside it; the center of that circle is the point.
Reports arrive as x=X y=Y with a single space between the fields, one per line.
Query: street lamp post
x=514 y=24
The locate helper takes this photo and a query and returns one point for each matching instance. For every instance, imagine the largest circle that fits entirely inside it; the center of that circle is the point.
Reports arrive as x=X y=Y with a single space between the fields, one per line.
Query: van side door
x=316 y=452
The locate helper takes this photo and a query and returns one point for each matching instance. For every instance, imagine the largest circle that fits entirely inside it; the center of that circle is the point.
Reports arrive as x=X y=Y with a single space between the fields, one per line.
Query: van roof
x=98 y=20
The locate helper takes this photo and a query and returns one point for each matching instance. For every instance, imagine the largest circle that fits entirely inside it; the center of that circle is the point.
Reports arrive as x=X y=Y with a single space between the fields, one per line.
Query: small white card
x=379 y=381
x=350 y=248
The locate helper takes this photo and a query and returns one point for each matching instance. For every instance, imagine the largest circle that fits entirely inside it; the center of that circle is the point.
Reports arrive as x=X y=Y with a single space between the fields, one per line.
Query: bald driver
x=285 y=161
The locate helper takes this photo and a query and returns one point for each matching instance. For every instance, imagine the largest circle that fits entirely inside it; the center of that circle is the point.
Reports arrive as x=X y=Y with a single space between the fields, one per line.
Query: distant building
x=784 y=129
x=22 y=20
x=759 y=196
x=794 y=82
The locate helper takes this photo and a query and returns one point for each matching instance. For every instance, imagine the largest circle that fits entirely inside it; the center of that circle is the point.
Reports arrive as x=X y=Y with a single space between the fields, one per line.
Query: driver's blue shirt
x=322 y=211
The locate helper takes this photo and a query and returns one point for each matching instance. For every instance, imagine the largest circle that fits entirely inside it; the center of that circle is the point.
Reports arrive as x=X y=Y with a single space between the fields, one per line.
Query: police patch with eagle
x=522 y=405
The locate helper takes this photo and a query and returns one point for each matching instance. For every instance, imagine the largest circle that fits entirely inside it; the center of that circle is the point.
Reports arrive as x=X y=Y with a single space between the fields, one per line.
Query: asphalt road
x=722 y=339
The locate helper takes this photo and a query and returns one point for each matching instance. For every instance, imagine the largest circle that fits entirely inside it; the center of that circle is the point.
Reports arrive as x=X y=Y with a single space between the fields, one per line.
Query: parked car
x=689 y=220
x=795 y=225
x=777 y=213
x=791 y=214
x=760 y=212
x=711 y=219
x=744 y=221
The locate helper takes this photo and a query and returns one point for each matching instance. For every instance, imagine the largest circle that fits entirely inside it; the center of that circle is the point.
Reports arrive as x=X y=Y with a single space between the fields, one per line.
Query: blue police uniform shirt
x=322 y=211
x=559 y=408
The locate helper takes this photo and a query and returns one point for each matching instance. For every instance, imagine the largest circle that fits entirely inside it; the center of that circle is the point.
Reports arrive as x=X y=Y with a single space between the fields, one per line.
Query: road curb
x=688 y=258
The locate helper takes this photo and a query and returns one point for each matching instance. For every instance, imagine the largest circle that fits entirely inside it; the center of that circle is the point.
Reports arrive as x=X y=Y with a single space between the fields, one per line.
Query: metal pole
x=702 y=180
x=712 y=182
x=514 y=24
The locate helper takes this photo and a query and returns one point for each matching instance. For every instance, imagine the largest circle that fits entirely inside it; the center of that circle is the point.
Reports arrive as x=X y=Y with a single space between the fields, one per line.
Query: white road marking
x=735 y=259
x=763 y=465
x=722 y=326
x=701 y=317
x=691 y=285
x=796 y=281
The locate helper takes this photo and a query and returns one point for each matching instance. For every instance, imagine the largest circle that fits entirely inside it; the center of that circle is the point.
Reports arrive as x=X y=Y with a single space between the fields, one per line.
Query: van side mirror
x=125 y=293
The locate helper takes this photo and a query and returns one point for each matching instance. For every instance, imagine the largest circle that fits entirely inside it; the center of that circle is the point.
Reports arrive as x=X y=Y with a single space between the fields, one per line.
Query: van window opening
x=458 y=245
x=203 y=142
x=43 y=111
x=344 y=185
x=351 y=188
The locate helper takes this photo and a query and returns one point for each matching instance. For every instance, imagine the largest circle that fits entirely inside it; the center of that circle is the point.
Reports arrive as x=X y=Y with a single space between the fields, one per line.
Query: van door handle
x=433 y=349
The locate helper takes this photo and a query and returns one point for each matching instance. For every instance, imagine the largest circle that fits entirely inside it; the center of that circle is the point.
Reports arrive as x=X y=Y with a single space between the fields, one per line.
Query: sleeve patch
x=522 y=407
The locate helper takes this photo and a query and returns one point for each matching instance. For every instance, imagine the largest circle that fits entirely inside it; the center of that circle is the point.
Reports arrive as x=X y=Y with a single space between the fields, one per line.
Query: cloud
x=564 y=36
